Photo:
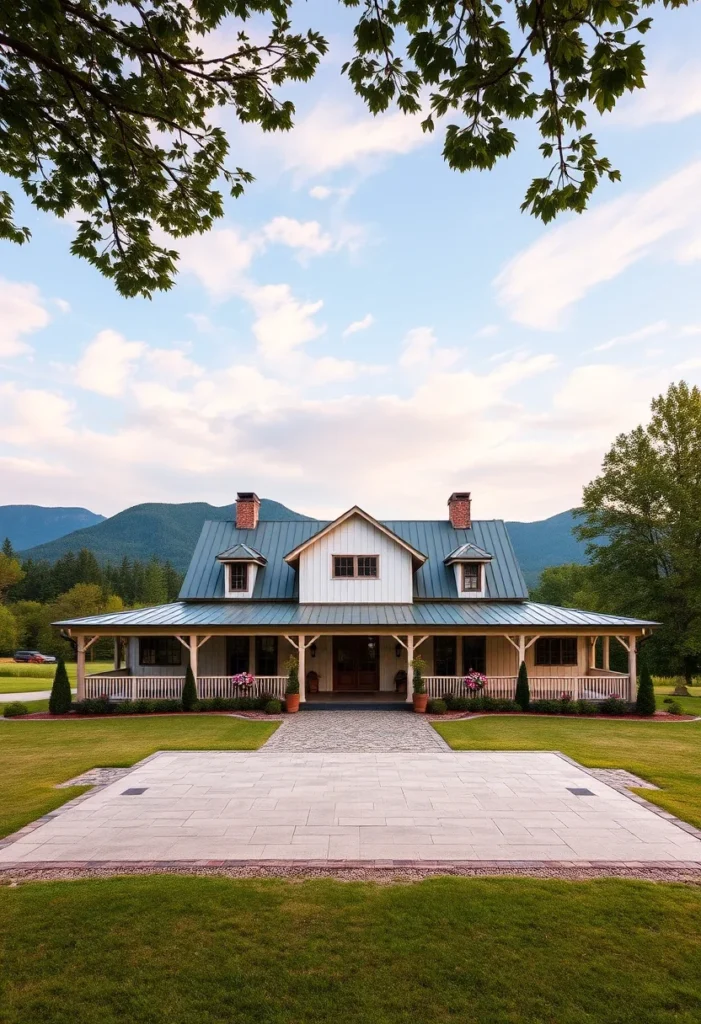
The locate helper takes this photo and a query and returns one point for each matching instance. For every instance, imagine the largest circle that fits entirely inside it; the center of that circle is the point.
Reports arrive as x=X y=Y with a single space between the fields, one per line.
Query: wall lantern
x=312 y=650
x=398 y=650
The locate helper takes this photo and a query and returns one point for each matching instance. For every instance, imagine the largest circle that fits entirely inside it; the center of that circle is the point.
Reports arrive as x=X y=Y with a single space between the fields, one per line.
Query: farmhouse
x=356 y=600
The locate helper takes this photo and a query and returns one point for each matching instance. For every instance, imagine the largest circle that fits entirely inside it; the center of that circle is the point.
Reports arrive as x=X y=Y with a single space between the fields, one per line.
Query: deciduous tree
x=108 y=108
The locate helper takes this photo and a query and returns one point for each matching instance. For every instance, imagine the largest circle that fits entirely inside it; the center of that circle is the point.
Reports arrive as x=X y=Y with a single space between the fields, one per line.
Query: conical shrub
x=523 y=693
x=60 y=699
x=189 y=697
x=645 y=701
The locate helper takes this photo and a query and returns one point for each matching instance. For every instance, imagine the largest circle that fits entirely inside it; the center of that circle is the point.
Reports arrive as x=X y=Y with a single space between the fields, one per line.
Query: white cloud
x=218 y=259
x=331 y=136
x=172 y=364
x=568 y=261
x=63 y=305
x=31 y=416
x=282 y=323
x=202 y=322
x=306 y=236
x=659 y=327
x=359 y=325
x=488 y=331
x=421 y=348
x=21 y=311
x=690 y=330
x=323 y=192
x=689 y=364
x=106 y=363
x=320 y=192
x=670 y=94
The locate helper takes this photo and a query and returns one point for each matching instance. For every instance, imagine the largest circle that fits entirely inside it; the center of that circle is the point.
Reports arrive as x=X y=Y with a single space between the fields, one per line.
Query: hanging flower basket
x=243 y=680
x=474 y=683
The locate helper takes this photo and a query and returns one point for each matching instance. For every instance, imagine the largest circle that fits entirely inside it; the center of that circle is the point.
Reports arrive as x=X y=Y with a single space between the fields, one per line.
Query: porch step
x=355 y=705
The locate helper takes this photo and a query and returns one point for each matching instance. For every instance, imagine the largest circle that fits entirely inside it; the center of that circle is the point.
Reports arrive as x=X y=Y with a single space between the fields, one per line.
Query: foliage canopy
x=108 y=108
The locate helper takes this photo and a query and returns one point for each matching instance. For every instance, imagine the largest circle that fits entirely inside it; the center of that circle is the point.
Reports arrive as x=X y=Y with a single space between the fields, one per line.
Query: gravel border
x=381 y=872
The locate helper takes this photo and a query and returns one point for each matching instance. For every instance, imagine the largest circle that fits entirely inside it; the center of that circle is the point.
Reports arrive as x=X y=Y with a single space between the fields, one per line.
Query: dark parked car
x=34 y=656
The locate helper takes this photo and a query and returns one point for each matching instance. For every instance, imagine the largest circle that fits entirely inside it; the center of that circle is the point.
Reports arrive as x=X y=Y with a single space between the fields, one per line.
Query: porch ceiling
x=264 y=616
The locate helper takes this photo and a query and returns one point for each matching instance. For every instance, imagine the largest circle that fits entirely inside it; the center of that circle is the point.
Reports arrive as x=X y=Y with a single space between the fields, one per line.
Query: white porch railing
x=597 y=687
x=171 y=687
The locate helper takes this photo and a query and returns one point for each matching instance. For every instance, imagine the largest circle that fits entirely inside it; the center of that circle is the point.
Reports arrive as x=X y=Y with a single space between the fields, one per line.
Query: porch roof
x=288 y=615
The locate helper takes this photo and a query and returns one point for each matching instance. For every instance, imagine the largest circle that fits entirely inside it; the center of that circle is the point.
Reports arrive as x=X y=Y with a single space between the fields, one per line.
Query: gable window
x=238 y=576
x=347 y=567
x=444 y=655
x=471 y=577
x=160 y=650
x=556 y=650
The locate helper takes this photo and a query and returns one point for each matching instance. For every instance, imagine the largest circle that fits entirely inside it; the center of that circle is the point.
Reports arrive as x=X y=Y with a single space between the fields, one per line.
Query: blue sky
x=367 y=326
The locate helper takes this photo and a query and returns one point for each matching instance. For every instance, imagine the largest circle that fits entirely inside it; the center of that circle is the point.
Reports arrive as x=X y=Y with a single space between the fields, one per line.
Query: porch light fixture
x=398 y=650
x=312 y=650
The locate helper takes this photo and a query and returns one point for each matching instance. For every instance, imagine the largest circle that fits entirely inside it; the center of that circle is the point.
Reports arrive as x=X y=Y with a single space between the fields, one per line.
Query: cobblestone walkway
x=351 y=732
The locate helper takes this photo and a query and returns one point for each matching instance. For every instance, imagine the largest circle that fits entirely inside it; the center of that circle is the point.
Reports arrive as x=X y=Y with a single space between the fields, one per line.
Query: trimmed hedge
x=436 y=706
x=645 y=701
x=15 y=709
x=480 y=704
x=61 y=698
x=99 y=706
x=273 y=707
x=523 y=693
x=232 y=704
x=563 y=706
x=189 y=695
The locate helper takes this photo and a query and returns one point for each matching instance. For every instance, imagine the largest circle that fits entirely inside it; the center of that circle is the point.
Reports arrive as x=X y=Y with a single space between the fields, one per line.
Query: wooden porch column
x=458 y=657
x=80 y=668
x=117 y=654
x=633 y=666
x=607 y=653
x=409 y=669
x=301 y=651
x=521 y=651
x=193 y=657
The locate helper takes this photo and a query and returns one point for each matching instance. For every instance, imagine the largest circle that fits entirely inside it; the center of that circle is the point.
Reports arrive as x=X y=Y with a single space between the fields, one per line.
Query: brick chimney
x=459 y=510
x=247 y=508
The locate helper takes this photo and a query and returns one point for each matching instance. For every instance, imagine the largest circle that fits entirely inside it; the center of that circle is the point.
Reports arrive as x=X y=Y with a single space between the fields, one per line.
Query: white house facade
x=355 y=600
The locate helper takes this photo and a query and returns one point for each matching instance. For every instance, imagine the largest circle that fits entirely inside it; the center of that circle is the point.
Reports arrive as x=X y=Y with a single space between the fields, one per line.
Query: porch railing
x=171 y=687
x=596 y=687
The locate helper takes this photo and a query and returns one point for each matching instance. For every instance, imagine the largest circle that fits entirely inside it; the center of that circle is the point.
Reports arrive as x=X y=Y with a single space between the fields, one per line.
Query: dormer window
x=238 y=576
x=471 y=577
x=348 y=567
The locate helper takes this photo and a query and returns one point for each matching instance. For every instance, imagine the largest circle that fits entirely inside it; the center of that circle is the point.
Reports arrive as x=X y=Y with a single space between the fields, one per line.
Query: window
x=355 y=567
x=474 y=654
x=238 y=576
x=471 y=576
x=266 y=655
x=444 y=655
x=160 y=650
x=556 y=650
x=237 y=654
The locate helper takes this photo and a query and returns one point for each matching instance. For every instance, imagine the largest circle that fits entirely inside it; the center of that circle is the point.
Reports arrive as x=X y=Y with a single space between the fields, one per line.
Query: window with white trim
x=238 y=576
x=556 y=650
x=471 y=577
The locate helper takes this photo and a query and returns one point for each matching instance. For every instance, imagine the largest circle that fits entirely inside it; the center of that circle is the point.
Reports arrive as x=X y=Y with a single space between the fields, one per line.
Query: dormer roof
x=242 y=553
x=467 y=553
x=418 y=557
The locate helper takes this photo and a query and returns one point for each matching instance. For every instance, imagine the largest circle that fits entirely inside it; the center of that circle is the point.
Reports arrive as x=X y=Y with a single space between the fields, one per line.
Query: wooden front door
x=356 y=663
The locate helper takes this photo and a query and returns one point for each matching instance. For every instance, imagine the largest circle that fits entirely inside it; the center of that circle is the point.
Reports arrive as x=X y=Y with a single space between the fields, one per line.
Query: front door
x=356 y=663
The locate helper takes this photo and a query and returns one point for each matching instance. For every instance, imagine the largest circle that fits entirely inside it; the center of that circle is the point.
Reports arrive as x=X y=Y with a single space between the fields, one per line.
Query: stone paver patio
x=274 y=805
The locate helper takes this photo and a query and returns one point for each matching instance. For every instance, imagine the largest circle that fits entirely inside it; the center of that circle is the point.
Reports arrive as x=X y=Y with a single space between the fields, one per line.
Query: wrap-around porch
x=372 y=667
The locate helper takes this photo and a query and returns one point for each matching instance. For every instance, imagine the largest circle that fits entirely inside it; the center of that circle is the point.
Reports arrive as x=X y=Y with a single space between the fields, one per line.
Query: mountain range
x=170 y=531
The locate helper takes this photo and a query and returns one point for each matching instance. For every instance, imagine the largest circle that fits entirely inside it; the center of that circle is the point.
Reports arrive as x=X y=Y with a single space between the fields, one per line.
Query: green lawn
x=668 y=754
x=690 y=705
x=18 y=677
x=34 y=756
x=170 y=950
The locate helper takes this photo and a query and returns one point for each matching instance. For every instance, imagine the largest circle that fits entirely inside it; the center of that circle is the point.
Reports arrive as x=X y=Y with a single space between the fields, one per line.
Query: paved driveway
x=273 y=805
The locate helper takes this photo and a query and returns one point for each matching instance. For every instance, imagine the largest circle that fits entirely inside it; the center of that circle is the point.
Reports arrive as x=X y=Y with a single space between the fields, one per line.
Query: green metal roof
x=287 y=615
x=467 y=553
x=241 y=553
x=278 y=581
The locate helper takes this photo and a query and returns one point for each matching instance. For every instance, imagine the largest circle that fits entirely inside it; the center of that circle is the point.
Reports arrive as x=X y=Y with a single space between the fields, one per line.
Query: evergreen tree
x=189 y=697
x=523 y=693
x=7 y=548
x=60 y=699
x=645 y=702
x=155 y=590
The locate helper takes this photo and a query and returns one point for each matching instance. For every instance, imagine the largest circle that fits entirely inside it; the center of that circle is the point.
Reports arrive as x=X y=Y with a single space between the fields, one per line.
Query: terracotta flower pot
x=420 y=702
x=291 y=703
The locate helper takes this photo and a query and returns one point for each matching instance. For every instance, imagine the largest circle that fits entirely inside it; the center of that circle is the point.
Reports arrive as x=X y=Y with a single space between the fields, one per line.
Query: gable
x=354 y=513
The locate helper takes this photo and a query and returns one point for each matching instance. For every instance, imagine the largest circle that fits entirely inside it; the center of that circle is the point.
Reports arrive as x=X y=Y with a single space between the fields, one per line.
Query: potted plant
x=420 y=696
x=292 y=689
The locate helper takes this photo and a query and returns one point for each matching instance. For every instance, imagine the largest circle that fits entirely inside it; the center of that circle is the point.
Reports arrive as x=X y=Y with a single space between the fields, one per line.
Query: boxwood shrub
x=15 y=709
x=231 y=704
x=273 y=706
x=613 y=706
x=437 y=706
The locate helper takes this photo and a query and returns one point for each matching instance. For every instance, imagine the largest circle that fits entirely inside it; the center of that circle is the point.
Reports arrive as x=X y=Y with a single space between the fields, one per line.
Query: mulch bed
x=47 y=716
x=659 y=716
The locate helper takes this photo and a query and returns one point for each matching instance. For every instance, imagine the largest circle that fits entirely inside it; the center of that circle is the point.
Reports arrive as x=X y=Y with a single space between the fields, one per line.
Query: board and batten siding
x=394 y=584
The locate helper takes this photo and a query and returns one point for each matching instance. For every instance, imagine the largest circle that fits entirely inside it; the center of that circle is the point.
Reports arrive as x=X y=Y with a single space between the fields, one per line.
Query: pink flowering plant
x=243 y=680
x=474 y=682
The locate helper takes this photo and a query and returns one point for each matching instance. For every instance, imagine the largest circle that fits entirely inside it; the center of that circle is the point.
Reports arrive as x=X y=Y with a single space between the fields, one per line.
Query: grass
x=690 y=705
x=34 y=756
x=19 y=677
x=33 y=705
x=172 y=950
x=668 y=754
